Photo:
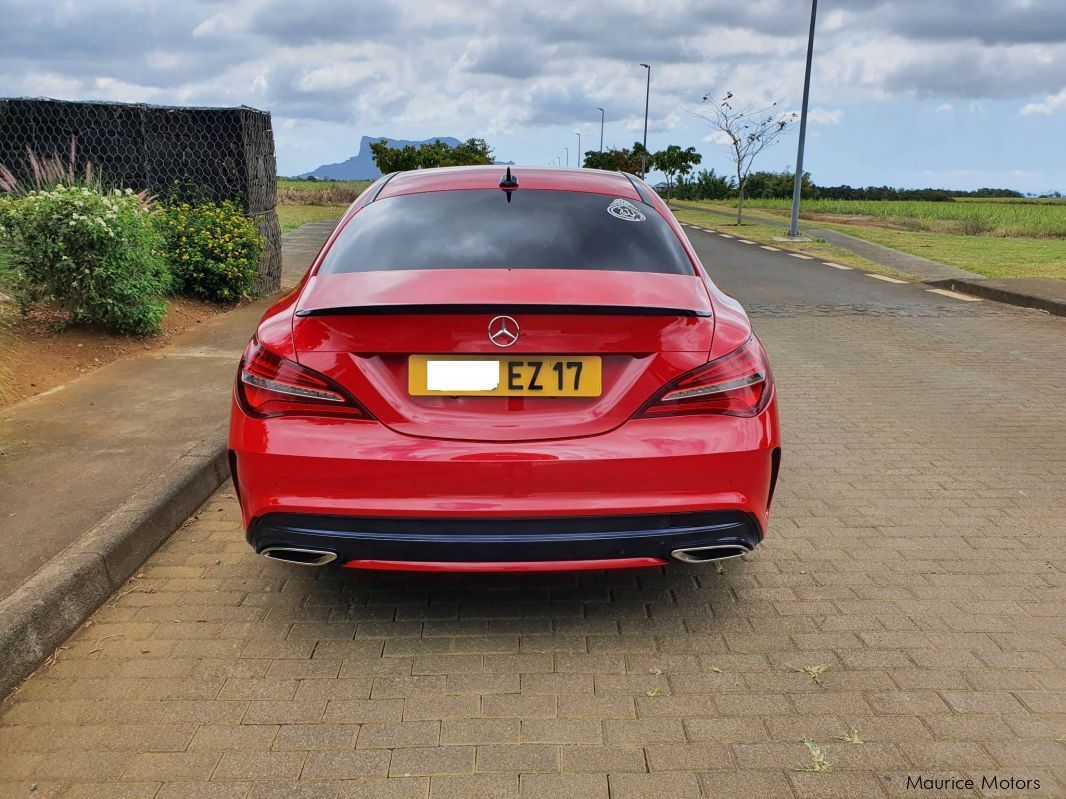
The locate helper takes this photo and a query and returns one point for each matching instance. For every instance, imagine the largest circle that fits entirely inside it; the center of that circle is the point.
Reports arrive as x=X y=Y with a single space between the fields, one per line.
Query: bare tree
x=749 y=129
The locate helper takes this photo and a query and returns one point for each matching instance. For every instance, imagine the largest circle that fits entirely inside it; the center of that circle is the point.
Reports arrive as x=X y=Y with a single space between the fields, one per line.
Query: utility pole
x=578 y=148
x=647 y=97
x=602 y=116
x=567 y=155
x=797 y=184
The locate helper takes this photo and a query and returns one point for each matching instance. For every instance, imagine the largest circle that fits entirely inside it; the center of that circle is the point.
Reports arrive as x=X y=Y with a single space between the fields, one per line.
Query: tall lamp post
x=578 y=133
x=797 y=184
x=602 y=116
x=647 y=97
x=567 y=155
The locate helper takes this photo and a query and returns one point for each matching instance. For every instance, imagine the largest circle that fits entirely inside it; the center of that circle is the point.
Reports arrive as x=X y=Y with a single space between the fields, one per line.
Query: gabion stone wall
x=196 y=153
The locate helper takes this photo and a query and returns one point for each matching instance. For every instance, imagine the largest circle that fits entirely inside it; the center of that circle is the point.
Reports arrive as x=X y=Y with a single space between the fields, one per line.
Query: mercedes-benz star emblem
x=503 y=331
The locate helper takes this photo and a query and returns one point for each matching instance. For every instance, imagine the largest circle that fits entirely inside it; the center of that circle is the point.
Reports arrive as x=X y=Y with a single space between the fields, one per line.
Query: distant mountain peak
x=361 y=166
x=366 y=141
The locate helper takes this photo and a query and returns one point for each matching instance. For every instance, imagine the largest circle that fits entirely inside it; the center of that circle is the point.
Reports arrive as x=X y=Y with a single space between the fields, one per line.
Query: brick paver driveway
x=905 y=616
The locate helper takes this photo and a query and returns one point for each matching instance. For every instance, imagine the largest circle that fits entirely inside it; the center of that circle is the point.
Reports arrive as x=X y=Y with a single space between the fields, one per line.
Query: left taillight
x=737 y=384
x=269 y=385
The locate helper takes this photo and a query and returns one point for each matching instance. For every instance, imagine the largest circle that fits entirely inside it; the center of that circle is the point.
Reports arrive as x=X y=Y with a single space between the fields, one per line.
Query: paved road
x=915 y=570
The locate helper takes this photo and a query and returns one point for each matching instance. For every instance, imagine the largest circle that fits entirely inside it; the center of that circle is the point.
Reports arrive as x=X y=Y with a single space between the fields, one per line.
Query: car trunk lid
x=361 y=328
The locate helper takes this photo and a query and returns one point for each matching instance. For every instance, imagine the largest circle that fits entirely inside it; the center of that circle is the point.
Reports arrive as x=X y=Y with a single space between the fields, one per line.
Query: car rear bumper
x=367 y=492
x=463 y=544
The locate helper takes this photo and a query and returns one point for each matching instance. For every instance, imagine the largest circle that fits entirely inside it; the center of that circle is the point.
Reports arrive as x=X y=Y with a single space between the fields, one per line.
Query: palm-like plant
x=46 y=172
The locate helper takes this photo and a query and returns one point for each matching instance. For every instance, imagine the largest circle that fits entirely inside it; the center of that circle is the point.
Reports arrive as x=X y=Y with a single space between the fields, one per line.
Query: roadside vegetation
x=213 y=249
x=972 y=217
x=295 y=191
x=88 y=270
x=97 y=257
x=768 y=235
x=5 y=325
x=992 y=232
x=291 y=217
x=997 y=252
x=991 y=256
x=311 y=200
x=471 y=152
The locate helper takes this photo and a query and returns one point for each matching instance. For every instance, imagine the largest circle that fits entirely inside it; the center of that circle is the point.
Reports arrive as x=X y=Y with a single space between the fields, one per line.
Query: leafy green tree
x=625 y=159
x=764 y=185
x=674 y=162
x=429 y=155
x=597 y=159
x=472 y=152
x=394 y=159
x=706 y=185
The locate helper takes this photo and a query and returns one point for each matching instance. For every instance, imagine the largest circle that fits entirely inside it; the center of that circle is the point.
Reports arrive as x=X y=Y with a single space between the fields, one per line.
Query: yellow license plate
x=511 y=376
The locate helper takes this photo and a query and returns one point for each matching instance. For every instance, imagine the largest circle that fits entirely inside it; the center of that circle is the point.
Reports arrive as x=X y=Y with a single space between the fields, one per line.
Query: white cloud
x=1051 y=104
x=111 y=89
x=945 y=108
x=218 y=25
x=49 y=84
x=412 y=68
x=718 y=137
x=821 y=116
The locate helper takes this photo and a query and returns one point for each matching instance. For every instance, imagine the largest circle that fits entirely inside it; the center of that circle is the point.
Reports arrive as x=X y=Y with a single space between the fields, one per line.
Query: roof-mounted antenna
x=508 y=183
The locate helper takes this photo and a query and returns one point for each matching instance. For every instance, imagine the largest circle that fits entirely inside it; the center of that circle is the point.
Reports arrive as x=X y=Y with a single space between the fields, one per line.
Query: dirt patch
x=844 y=219
x=40 y=355
x=854 y=219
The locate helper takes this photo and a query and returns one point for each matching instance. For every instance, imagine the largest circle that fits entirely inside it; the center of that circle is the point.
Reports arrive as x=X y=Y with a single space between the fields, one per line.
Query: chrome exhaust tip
x=299 y=557
x=709 y=553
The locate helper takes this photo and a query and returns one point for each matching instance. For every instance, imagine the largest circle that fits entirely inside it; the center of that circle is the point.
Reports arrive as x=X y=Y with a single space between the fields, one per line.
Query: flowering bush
x=96 y=255
x=214 y=249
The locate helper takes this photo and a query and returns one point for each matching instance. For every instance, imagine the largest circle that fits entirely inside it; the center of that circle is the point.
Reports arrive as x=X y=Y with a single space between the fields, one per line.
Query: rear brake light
x=268 y=385
x=737 y=384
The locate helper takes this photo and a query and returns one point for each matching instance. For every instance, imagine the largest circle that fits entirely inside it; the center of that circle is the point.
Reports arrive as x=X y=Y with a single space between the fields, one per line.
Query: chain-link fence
x=194 y=153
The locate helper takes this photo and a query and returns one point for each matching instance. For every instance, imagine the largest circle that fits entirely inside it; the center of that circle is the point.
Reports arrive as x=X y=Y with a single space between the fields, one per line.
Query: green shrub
x=98 y=256
x=213 y=248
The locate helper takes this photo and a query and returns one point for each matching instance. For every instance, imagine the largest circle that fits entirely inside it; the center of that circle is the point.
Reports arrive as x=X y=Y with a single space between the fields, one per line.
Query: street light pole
x=797 y=184
x=647 y=97
x=567 y=155
x=578 y=148
x=602 y=116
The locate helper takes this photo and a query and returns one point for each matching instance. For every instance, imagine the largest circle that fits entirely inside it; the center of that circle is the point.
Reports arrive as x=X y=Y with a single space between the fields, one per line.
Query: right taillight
x=737 y=384
x=269 y=385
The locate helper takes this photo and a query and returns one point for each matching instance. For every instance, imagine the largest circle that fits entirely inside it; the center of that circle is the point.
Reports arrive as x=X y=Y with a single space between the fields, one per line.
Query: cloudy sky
x=959 y=93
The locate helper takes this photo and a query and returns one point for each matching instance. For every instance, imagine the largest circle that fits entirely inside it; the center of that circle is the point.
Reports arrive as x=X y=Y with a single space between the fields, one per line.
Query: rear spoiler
x=467 y=308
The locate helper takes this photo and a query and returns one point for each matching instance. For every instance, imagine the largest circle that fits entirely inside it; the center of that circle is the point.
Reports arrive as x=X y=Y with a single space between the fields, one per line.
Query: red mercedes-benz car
x=505 y=371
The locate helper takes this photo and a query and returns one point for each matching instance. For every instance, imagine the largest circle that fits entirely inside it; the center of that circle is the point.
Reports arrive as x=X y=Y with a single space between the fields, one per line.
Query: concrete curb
x=49 y=607
x=994 y=290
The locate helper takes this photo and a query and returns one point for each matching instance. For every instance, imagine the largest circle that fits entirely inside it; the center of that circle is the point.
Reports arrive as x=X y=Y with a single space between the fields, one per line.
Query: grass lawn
x=764 y=234
x=320 y=185
x=292 y=216
x=988 y=255
x=970 y=218
x=991 y=256
x=303 y=201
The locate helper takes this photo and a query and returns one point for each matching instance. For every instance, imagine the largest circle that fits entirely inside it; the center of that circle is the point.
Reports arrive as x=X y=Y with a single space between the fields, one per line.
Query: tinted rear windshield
x=480 y=229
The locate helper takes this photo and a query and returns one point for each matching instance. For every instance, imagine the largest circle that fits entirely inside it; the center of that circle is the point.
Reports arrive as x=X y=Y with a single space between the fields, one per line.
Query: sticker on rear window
x=623 y=209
